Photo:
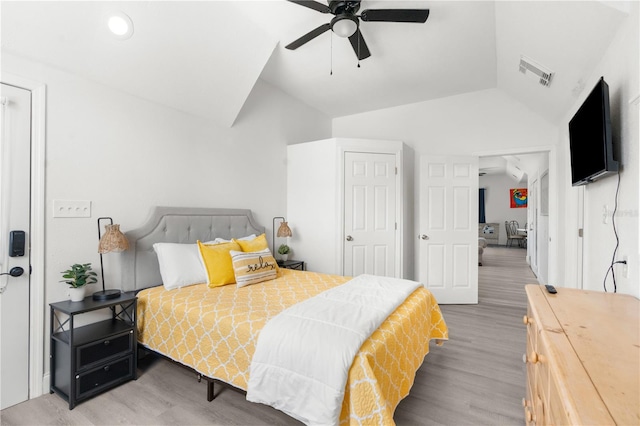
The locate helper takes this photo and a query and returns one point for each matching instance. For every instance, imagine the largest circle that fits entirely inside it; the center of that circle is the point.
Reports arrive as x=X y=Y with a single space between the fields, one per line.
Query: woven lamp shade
x=284 y=230
x=113 y=240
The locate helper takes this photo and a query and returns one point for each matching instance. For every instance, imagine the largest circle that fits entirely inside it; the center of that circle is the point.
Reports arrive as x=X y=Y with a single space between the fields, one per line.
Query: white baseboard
x=46 y=384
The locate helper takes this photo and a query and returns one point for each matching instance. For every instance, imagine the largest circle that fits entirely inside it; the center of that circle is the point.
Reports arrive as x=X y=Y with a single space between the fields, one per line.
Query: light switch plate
x=71 y=208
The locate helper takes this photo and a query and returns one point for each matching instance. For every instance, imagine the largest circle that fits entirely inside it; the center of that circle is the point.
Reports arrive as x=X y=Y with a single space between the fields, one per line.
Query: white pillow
x=222 y=240
x=180 y=265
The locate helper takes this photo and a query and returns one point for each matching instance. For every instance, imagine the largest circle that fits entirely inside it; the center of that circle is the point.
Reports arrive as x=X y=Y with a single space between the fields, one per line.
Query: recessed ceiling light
x=121 y=26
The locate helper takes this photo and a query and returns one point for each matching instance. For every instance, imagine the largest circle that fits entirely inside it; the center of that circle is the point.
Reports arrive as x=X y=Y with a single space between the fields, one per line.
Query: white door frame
x=580 y=250
x=37 y=294
x=552 y=255
x=532 y=219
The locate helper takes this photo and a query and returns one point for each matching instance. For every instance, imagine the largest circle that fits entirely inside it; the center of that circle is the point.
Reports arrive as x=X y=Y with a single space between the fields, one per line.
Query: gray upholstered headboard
x=178 y=225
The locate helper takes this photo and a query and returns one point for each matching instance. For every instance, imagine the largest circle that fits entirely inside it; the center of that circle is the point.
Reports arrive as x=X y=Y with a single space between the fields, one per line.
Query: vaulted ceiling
x=204 y=57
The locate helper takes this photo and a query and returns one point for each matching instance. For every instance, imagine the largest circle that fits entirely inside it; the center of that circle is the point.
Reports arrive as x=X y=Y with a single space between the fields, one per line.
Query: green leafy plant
x=283 y=249
x=79 y=275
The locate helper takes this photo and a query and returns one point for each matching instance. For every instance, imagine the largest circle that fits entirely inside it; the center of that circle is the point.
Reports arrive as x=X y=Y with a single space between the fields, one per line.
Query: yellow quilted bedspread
x=215 y=330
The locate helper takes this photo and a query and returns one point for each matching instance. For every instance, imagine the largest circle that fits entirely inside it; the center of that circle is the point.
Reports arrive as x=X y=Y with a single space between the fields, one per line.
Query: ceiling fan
x=346 y=23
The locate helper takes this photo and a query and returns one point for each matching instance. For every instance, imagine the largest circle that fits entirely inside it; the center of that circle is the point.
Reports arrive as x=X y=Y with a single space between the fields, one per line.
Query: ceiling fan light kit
x=346 y=23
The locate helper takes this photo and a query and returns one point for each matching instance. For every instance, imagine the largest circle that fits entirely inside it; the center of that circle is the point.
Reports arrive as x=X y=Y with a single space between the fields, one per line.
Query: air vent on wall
x=515 y=172
x=528 y=66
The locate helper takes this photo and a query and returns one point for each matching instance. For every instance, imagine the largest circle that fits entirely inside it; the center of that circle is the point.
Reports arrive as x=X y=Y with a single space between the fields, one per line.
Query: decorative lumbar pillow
x=180 y=265
x=253 y=267
x=255 y=244
x=217 y=263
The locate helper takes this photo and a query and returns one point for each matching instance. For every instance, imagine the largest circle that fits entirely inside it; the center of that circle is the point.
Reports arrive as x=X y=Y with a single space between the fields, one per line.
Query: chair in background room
x=482 y=243
x=513 y=235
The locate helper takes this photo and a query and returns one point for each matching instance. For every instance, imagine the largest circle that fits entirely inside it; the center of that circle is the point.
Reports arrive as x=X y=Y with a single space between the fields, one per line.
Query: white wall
x=497 y=202
x=312 y=205
x=620 y=68
x=473 y=122
x=487 y=122
x=126 y=154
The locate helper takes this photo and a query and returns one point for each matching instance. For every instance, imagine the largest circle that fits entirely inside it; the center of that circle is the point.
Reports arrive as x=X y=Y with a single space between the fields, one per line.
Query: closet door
x=370 y=222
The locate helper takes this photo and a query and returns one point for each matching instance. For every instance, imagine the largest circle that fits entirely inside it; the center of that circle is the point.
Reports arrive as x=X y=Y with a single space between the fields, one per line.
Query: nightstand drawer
x=96 y=380
x=292 y=264
x=102 y=350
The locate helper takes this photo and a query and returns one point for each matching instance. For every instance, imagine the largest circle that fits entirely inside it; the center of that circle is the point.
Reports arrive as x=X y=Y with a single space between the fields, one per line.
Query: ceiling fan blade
x=395 y=15
x=308 y=36
x=313 y=5
x=359 y=46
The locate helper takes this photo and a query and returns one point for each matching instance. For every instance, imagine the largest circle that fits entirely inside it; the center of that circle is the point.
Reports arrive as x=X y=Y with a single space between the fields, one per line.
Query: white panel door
x=15 y=147
x=449 y=228
x=370 y=214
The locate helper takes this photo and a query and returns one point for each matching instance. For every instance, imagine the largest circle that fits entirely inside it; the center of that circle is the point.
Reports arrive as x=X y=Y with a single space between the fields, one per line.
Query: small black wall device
x=16 y=243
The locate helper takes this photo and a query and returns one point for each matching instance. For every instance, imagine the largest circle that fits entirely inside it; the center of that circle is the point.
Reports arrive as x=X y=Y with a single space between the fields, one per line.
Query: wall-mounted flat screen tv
x=590 y=139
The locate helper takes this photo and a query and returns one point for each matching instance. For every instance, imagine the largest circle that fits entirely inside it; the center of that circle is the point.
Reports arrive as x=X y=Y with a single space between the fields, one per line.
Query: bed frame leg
x=210 y=394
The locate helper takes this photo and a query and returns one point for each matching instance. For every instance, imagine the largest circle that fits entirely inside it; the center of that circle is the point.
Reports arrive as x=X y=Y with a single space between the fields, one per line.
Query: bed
x=214 y=330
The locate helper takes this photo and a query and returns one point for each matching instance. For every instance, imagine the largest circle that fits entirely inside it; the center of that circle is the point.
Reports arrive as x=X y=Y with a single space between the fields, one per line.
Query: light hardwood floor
x=476 y=378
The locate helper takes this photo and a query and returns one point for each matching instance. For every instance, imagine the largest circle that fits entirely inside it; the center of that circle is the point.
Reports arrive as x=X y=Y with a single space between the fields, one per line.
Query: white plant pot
x=76 y=293
x=284 y=257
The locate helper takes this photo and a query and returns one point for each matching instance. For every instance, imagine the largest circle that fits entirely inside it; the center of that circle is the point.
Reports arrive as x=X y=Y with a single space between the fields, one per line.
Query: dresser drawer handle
x=526 y=320
x=106 y=368
x=106 y=342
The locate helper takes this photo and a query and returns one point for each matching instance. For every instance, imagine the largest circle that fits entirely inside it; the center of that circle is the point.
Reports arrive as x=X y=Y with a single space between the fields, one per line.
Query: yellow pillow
x=217 y=262
x=257 y=244
x=253 y=267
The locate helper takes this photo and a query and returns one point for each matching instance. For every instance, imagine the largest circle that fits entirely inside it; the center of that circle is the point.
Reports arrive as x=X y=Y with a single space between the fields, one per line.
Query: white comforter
x=304 y=354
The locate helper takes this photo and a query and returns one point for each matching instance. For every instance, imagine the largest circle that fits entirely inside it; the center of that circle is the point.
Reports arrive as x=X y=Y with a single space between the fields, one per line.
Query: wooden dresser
x=583 y=358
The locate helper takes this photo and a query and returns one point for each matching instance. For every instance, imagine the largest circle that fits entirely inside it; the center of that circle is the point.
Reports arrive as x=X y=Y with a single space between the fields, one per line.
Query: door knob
x=424 y=237
x=14 y=272
x=349 y=238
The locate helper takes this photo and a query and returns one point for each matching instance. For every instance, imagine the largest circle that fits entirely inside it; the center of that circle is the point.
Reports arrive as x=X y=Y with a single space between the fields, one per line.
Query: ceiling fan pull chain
x=331 y=58
x=359 y=37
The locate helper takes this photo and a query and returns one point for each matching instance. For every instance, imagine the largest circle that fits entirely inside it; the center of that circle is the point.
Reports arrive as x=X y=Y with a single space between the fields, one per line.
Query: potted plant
x=77 y=277
x=283 y=251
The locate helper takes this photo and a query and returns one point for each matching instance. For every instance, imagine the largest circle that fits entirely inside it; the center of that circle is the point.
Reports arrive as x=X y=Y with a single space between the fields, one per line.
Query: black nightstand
x=88 y=360
x=292 y=264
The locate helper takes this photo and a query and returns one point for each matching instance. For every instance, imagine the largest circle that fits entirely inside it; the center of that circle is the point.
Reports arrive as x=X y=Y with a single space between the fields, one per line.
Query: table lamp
x=283 y=231
x=113 y=240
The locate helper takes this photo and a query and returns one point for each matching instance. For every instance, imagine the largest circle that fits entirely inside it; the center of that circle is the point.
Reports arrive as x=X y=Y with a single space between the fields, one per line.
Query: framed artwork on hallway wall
x=518 y=197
